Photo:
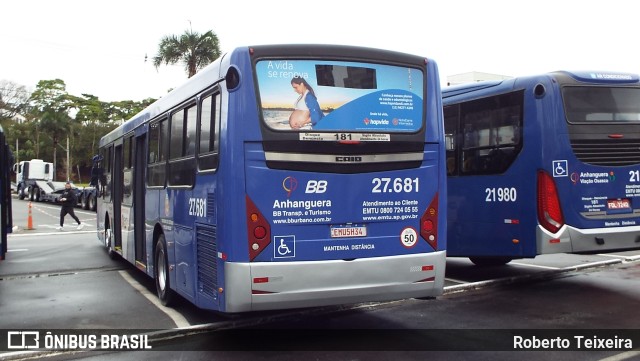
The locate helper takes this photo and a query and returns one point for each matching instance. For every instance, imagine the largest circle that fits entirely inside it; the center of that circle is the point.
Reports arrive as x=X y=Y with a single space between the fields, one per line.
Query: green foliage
x=14 y=100
x=51 y=116
x=193 y=49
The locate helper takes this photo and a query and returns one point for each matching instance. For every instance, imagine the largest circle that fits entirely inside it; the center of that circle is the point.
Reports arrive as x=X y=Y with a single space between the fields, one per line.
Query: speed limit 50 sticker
x=409 y=237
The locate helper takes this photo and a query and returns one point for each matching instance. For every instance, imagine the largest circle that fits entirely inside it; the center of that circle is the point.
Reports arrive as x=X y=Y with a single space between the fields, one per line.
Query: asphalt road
x=54 y=280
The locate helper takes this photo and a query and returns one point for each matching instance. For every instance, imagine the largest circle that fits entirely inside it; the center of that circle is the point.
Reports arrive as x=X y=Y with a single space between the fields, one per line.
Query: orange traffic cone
x=30 y=219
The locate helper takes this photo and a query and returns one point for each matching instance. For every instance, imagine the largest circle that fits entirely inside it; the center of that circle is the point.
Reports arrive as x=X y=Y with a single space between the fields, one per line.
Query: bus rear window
x=601 y=104
x=304 y=95
x=346 y=76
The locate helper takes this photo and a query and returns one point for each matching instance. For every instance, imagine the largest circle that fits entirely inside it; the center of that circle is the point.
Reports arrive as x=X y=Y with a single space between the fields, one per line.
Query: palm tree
x=193 y=49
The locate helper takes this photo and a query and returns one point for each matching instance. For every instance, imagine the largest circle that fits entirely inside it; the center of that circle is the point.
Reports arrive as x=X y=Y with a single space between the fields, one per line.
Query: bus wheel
x=83 y=202
x=92 y=203
x=108 y=241
x=163 y=286
x=20 y=193
x=490 y=261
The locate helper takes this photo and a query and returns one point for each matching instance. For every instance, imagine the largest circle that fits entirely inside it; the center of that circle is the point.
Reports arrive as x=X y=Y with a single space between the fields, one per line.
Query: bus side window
x=451 y=135
x=156 y=163
x=181 y=167
x=492 y=133
x=209 y=132
x=470 y=155
x=190 y=133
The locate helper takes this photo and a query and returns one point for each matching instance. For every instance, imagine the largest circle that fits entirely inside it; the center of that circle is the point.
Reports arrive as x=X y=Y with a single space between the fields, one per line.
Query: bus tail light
x=549 y=211
x=258 y=229
x=429 y=223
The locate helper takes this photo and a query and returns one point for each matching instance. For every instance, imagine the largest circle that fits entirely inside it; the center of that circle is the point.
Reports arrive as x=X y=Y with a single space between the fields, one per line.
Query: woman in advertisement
x=307 y=110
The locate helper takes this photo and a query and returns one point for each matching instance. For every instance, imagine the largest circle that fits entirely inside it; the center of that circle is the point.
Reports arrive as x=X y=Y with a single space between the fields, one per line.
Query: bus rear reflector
x=549 y=211
x=429 y=223
x=258 y=230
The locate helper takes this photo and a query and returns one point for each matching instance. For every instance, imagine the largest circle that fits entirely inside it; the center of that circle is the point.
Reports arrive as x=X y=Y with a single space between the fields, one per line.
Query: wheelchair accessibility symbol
x=560 y=168
x=284 y=246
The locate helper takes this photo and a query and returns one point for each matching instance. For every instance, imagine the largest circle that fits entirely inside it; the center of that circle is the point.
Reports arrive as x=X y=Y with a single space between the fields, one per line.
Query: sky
x=99 y=47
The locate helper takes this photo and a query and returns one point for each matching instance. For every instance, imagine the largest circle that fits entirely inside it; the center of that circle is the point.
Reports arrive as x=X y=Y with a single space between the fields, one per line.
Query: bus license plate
x=620 y=205
x=347 y=231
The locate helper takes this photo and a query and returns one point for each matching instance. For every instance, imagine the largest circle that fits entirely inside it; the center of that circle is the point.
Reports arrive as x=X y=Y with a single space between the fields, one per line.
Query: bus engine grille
x=207 y=260
x=607 y=152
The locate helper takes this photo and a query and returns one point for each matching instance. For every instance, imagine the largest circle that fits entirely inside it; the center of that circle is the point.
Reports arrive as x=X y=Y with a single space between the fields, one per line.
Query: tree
x=14 y=99
x=37 y=124
x=51 y=104
x=126 y=109
x=193 y=49
x=95 y=118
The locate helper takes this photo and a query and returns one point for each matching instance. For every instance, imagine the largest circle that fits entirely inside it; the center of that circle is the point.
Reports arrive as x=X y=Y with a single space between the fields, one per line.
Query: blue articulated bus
x=6 y=220
x=543 y=164
x=283 y=177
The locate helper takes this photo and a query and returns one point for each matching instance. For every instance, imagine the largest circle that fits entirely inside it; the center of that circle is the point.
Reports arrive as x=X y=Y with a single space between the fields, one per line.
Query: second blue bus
x=543 y=164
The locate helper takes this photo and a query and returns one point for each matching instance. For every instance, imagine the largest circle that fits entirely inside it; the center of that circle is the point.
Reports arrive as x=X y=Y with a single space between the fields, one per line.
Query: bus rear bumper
x=570 y=239
x=282 y=285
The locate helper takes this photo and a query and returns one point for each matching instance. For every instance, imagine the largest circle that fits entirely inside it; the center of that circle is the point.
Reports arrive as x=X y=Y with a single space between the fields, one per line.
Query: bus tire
x=83 y=201
x=92 y=204
x=490 y=261
x=20 y=193
x=108 y=242
x=163 y=285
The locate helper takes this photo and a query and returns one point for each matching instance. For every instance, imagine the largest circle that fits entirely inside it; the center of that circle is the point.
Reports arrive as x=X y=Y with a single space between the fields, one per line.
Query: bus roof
x=214 y=73
x=599 y=76
x=466 y=88
x=562 y=76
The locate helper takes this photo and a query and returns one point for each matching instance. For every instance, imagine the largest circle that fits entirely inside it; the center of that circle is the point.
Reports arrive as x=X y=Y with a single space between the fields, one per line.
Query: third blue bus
x=543 y=164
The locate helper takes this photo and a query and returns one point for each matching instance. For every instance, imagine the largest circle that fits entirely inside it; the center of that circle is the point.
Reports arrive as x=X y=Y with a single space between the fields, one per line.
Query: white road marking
x=534 y=265
x=540 y=275
x=52 y=233
x=611 y=255
x=622 y=356
x=177 y=318
x=625 y=258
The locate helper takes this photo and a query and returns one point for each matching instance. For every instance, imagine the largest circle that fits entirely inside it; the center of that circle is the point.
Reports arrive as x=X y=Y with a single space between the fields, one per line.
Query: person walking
x=69 y=201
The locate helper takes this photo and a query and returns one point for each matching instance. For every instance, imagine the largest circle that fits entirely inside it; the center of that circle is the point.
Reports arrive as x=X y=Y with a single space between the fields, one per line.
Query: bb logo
x=366 y=121
x=314 y=186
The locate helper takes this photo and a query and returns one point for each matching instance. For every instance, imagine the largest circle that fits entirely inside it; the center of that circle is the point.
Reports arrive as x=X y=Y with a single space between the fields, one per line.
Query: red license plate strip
x=614 y=204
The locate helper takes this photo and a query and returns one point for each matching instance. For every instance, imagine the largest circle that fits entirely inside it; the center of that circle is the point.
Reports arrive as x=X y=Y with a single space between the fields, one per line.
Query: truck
x=34 y=181
x=87 y=197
